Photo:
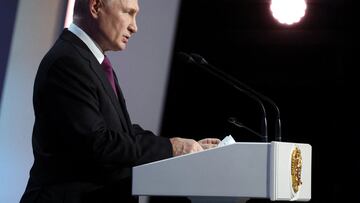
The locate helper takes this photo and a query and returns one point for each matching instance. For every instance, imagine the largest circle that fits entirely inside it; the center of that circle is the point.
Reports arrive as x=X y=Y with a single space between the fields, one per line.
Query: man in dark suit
x=84 y=143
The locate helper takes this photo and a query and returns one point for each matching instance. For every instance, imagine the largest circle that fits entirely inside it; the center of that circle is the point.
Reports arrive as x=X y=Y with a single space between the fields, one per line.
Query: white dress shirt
x=93 y=46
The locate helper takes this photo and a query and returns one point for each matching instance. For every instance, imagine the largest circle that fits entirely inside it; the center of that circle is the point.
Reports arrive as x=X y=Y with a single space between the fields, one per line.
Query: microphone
x=200 y=62
x=246 y=89
x=235 y=122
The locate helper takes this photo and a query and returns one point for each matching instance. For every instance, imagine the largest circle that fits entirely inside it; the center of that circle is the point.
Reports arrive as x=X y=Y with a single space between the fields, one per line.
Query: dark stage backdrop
x=7 y=22
x=308 y=69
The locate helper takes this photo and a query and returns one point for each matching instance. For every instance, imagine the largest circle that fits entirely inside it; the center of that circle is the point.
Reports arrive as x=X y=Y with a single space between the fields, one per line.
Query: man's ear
x=94 y=7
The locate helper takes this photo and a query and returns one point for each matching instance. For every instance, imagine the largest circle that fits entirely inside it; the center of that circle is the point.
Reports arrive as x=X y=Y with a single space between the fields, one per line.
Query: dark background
x=7 y=21
x=308 y=69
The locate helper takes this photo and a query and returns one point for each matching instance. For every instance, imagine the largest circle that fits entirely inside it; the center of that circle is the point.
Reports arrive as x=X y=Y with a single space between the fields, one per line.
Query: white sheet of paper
x=227 y=141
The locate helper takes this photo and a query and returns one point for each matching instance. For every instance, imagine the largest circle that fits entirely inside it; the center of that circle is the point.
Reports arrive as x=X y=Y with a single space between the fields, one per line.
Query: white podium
x=232 y=173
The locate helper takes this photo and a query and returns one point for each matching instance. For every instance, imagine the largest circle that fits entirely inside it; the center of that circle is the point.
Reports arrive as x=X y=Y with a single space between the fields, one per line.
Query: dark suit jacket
x=84 y=144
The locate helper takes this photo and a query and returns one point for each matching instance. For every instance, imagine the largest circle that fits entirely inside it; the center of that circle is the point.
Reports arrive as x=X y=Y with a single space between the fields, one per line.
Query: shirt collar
x=91 y=44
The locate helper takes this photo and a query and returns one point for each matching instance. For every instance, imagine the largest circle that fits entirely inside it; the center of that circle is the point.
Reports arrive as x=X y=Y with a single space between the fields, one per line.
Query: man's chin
x=118 y=47
x=121 y=47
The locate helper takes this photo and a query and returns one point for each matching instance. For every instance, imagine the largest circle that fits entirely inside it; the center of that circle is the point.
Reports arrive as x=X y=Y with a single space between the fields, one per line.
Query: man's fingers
x=183 y=146
x=208 y=146
x=196 y=148
x=209 y=141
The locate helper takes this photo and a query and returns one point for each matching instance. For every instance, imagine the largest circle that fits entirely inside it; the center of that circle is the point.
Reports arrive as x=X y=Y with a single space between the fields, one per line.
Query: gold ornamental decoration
x=296 y=167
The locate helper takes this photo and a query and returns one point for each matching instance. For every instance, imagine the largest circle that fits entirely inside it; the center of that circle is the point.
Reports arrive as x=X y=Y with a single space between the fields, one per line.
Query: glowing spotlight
x=288 y=11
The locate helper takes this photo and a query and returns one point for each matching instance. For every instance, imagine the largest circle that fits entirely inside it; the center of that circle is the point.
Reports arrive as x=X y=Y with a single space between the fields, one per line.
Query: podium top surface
x=246 y=169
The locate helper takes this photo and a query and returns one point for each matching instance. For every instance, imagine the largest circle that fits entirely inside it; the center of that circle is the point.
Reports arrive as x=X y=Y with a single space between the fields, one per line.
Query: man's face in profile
x=117 y=23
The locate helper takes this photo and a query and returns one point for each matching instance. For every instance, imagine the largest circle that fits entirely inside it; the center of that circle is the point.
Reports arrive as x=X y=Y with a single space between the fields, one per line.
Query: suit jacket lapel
x=97 y=68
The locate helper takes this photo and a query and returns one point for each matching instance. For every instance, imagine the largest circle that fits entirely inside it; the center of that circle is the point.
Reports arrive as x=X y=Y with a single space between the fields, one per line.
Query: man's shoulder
x=66 y=48
x=66 y=53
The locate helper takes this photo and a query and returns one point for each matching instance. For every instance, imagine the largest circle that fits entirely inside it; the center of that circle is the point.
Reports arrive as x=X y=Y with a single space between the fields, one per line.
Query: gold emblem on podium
x=296 y=167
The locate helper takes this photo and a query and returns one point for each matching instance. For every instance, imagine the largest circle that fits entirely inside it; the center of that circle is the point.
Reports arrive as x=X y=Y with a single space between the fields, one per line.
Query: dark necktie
x=109 y=72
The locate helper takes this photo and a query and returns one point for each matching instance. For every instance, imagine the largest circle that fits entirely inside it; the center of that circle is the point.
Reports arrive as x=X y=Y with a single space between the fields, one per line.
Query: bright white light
x=288 y=11
x=69 y=13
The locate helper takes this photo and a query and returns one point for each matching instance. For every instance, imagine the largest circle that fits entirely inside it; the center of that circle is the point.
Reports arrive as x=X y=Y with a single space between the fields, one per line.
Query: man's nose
x=133 y=27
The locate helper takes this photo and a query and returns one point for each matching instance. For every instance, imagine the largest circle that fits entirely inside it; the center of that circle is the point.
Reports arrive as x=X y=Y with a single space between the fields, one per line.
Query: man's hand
x=209 y=143
x=183 y=146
